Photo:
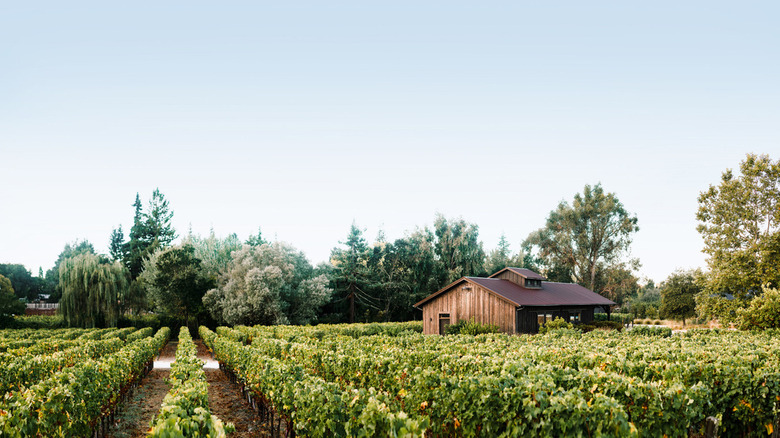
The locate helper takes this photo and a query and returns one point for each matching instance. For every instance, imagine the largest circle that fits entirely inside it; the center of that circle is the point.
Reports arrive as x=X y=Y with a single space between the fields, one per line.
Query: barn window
x=574 y=317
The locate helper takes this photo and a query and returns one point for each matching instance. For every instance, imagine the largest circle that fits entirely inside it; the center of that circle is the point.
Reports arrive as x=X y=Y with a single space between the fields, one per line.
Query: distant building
x=516 y=300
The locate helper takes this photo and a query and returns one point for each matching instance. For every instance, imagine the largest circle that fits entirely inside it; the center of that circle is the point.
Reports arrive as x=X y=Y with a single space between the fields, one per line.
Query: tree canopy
x=175 y=283
x=92 y=288
x=678 y=294
x=740 y=224
x=582 y=239
x=268 y=284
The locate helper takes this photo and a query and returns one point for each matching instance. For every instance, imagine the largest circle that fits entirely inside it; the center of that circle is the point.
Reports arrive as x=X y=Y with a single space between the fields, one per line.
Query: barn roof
x=525 y=273
x=550 y=294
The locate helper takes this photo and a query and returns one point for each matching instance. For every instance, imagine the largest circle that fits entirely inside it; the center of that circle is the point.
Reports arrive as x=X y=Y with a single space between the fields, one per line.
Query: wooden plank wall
x=477 y=303
x=513 y=277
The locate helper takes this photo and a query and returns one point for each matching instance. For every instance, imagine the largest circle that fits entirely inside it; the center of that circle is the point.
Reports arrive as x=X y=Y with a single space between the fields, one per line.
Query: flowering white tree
x=268 y=284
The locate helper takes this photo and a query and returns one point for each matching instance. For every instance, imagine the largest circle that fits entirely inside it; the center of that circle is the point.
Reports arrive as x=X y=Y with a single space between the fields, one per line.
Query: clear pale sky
x=300 y=117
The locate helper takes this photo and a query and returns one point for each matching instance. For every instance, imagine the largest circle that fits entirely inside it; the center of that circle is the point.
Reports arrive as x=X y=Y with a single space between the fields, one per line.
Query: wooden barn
x=516 y=300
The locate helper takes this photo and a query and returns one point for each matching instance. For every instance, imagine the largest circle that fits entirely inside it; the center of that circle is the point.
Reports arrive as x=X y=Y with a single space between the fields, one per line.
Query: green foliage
x=663 y=332
x=588 y=236
x=645 y=303
x=91 y=291
x=623 y=318
x=471 y=327
x=214 y=253
x=601 y=325
x=502 y=257
x=740 y=223
x=602 y=383
x=24 y=284
x=39 y=322
x=185 y=409
x=53 y=274
x=351 y=275
x=152 y=230
x=70 y=401
x=762 y=313
x=175 y=282
x=268 y=284
x=9 y=304
x=724 y=308
x=458 y=250
x=556 y=324
x=678 y=294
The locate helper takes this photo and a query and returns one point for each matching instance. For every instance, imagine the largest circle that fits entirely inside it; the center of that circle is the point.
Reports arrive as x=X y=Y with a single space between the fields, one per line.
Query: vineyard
x=390 y=380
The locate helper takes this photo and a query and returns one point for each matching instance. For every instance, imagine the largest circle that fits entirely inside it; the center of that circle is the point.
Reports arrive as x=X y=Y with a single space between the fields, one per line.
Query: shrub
x=601 y=325
x=470 y=327
x=661 y=332
x=556 y=324
x=762 y=313
x=624 y=318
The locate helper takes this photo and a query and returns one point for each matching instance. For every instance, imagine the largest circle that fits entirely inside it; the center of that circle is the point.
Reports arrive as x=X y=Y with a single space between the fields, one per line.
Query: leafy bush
x=38 y=322
x=556 y=324
x=470 y=327
x=762 y=313
x=663 y=332
x=624 y=318
x=601 y=325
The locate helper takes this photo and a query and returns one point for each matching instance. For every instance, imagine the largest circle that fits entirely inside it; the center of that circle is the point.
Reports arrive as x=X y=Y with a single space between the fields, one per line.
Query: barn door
x=444 y=322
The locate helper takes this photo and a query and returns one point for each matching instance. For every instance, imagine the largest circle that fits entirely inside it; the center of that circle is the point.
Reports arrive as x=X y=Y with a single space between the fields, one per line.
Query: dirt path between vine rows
x=136 y=414
x=226 y=402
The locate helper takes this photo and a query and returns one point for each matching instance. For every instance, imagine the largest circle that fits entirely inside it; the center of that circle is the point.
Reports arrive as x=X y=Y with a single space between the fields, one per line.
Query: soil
x=226 y=402
x=136 y=414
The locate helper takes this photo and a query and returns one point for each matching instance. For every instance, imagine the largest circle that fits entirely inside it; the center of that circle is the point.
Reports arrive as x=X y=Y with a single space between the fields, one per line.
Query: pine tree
x=117 y=247
x=350 y=274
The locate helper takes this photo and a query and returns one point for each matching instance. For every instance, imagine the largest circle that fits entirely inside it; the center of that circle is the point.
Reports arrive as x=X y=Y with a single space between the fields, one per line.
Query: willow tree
x=92 y=289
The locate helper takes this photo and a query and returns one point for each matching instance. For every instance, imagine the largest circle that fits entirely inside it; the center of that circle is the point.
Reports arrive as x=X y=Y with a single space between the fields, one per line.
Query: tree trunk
x=352 y=306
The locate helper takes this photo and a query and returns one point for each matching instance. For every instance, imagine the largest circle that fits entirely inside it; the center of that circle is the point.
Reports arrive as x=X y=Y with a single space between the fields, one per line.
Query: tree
x=21 y=279
x=617 y=281
x=762 y=313
x=117 y=247
x=136 y=247
x=592 y=233
x=175 y=283
x=740 y=224
x=159 y=232
x=53 y=274
x=502 y=257
x=150 y=231
x=350 y=274
x=9 y=304
x=268 y=284
x=215 y=253
x=92 y=289
x=678 y=293
x=458 y=249
x=256 y=240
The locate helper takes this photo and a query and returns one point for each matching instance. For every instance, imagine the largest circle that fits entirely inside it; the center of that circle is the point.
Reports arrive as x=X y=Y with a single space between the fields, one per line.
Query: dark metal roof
x=525 y=273
x=551 y=294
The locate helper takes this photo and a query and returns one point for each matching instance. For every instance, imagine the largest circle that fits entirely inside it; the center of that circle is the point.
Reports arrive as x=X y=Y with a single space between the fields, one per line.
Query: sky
x=302 y=117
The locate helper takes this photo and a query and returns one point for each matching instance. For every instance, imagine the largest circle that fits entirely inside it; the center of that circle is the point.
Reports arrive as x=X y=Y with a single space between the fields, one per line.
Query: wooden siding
x=513 y=277
x=464 y=304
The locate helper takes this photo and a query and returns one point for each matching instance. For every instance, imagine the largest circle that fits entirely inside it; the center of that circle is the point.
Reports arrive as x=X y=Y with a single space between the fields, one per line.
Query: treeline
x=204 y=279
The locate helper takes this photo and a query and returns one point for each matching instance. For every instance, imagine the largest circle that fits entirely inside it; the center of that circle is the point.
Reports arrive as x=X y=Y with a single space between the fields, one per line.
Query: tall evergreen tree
x=350 y=274
x=159 y=230
x=136 y=246
x=117 y=247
